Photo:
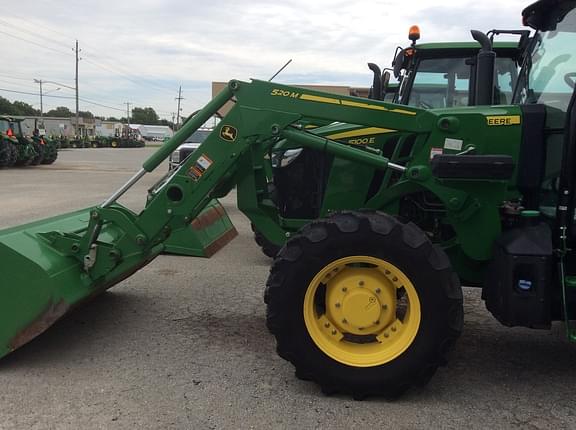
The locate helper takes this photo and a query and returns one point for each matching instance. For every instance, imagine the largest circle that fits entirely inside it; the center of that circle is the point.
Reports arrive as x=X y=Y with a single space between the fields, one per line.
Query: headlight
x=175 y=157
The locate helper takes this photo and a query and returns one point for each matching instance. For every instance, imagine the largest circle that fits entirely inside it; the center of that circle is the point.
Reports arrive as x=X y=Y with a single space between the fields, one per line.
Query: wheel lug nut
x=376 y=322
x=393 y=328
x=337 y=305
x=395 y=279
x=386 y=335
x=378 y=290
x=333 y=332
x=361 y=283
x=327 y=325
x=384 y=306
x=344 y=321
x=344 y=289
x=360 y=328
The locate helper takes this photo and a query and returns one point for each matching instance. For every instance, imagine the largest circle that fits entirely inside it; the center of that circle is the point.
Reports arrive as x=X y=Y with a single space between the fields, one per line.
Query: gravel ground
x=183 y=344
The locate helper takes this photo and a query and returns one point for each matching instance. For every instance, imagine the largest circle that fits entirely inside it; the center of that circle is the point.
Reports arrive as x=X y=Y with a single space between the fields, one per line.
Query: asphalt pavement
x=182 y=344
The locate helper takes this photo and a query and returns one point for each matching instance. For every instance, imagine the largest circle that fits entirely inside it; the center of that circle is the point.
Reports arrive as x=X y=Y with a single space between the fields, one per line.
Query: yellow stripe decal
x=402 y=111
x=503 y=120
x=362 y=105
x=360 y=132
x=320 y=99
x=330 y=100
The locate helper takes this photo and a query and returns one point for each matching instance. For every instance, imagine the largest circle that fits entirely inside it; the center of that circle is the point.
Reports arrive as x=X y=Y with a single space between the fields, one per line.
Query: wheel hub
x=360 y=301
x=361 y=308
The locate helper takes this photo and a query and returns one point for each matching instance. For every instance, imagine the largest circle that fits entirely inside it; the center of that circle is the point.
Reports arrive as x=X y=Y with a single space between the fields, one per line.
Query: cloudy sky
x=141 y=51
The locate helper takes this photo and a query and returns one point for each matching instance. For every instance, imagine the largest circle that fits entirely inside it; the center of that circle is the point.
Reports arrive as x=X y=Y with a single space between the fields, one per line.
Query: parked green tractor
x=47 y=149
x=8 y=149
x=365 y=301
x=27 y=151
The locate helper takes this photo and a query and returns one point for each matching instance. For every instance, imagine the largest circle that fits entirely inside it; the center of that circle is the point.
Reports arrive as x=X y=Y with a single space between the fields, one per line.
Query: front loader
x=364 y=301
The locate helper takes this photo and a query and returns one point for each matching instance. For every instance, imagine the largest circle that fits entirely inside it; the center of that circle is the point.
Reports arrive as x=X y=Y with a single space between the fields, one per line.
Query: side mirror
x=398 y=63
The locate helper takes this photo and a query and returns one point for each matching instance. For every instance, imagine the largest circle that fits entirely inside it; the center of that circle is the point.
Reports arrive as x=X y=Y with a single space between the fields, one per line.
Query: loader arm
x=49 y=266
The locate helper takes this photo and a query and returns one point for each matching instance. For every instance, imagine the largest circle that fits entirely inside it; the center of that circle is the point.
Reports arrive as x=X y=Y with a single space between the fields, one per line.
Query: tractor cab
x=443 y=75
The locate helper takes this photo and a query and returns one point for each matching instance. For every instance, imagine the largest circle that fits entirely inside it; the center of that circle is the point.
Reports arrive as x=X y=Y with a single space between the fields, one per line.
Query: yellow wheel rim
x=362 y=311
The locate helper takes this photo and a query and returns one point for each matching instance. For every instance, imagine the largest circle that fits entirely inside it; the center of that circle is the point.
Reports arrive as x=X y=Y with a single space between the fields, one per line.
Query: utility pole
x=39 y=81
x=178 y=111
x=77 y=108
x=173 y=117
x=128 y=118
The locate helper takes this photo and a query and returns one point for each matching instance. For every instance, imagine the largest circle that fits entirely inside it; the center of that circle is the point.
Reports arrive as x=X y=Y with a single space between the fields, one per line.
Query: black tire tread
x=379 y=224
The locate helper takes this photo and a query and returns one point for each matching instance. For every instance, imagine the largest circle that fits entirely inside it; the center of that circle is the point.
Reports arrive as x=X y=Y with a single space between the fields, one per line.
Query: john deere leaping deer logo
x=229 y=133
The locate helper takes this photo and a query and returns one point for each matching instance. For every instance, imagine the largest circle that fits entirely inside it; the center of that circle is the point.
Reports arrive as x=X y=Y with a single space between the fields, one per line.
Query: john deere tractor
x=433 y=75
x=365 y=300
x=26 y=151
x=8 y=149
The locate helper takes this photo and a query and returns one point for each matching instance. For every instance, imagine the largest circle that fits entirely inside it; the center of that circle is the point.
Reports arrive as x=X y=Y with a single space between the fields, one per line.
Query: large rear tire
x=13 y=154
x=363 y=304
x=50 y=154
x=40 y=150
x=5 y=153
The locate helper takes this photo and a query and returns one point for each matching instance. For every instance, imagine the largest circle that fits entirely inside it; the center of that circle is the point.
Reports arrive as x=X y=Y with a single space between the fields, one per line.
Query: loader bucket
x=38 y=285
x=49 y=266
x=205 y=235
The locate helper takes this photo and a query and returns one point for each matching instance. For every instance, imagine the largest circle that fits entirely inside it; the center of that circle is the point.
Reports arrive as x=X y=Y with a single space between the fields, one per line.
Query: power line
x=35 y=94
x=130 y=78
x=32 y=33
x=99 y=104
x=34 y=43
x=62 y=97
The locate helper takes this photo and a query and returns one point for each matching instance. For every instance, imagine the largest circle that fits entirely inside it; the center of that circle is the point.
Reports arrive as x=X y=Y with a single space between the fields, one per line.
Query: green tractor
x=364 y=300
x=433 y=75
x=46 y=148
x=8 y=146
x=28 y=152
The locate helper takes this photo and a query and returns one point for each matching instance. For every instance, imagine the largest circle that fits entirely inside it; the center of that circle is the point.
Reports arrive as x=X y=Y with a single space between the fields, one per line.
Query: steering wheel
x=569 y=79
x=425 y=105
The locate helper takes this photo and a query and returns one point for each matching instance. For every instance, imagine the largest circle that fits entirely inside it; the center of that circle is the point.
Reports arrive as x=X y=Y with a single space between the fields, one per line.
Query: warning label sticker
x=199 y=168
x=435 y=151
x=454 y=144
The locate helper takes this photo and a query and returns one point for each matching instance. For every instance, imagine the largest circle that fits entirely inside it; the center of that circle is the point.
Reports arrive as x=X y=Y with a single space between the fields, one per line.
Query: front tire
x=269 y=249
x=363 y=304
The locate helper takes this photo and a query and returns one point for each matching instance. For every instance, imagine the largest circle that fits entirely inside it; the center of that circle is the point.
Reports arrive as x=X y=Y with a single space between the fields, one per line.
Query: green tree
x=85 y=114
x=144 y=116
x=166 y=122
x=60 y=111
x=5 y=107
x=21 y=108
